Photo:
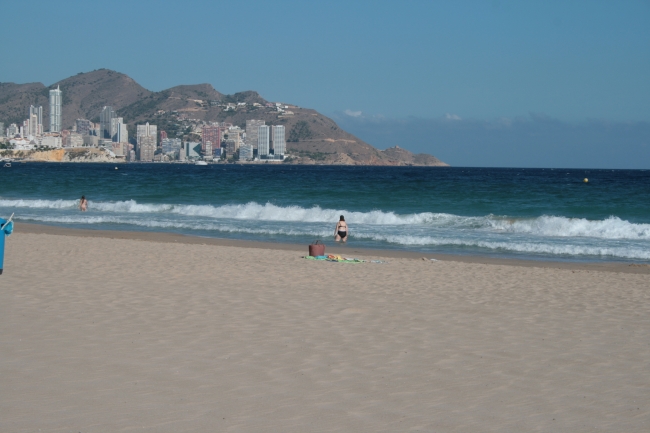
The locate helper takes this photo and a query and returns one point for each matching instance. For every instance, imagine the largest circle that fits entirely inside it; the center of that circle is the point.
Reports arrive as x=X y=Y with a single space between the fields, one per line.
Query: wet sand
x=121 y=331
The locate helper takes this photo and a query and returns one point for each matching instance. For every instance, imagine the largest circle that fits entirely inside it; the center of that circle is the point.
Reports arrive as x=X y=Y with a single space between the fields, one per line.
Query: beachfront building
x=55 y=110
x=263 y=141
x=252 y=129
x=234 y=133
x=13 y=130
x=279 y=141
x=74 y=140
x=210 y=134
x=122 y=134
x=38 y=125
x=171 y=145
x=207 y=151
x=146 y=135
x=105 y=121
x=146 y=147
x=245 y=152
x=32 y=128
x=52 y=140
x=115 y=125
x=231 y=147
x=193 y=149
x=84 y=126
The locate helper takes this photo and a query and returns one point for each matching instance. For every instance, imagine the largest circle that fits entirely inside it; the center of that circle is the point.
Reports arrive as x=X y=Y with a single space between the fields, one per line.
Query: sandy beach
x=115 y=332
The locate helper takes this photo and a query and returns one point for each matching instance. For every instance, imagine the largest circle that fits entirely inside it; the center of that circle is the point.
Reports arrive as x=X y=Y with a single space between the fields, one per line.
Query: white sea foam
x=543 y=226
x=610 y=228
x=569 y=249
x=39 y=204
x=402 y=236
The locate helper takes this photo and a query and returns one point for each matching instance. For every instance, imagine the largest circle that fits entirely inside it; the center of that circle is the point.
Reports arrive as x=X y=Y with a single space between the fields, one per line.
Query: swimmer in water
x=341 y=230
x=83 y=204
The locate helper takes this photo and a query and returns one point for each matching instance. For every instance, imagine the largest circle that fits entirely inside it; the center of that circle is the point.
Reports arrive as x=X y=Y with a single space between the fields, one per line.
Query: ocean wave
x=39 y=204
x=548 y=248
x=563 y=247
x=543 y=226
x=178 y=225
x=610 y=228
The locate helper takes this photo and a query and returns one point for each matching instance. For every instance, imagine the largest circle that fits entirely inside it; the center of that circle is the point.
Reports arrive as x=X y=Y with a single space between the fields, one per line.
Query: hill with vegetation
x=312 y=138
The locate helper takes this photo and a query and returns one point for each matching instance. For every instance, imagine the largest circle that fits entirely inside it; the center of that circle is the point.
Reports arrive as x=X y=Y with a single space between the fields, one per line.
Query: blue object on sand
x=7 y=227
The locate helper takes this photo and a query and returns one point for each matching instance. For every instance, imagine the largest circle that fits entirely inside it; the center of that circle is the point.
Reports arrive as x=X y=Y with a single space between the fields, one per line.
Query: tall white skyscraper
x=263 y=141
x=147 y=138
x=251 y=130
x=55 y=110
x=38 y=112
x=279 y=142
x=146 y=130
x=122 y=135
x=115 y=122
x=32 y=126
x=106 y=121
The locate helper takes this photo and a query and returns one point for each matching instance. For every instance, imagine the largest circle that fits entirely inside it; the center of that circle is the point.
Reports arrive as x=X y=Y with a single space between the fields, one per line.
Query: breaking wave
x=543 y=226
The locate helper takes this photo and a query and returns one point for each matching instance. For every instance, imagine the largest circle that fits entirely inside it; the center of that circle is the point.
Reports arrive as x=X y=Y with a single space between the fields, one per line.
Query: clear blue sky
x=483 y=60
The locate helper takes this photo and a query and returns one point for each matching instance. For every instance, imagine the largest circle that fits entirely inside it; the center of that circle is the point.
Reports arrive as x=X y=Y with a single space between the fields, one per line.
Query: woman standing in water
x=83 y=204
x=341 y=230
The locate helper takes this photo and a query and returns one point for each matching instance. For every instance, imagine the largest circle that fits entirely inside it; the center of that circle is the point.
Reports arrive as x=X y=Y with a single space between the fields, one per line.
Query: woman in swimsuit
x=83 y=203
x=341 y=230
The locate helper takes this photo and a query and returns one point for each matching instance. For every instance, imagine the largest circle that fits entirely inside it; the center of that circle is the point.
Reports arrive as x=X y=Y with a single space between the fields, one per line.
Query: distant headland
x=105 y=115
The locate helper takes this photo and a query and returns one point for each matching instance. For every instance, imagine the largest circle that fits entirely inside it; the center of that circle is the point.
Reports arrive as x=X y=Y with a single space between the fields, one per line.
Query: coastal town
x=193 y=140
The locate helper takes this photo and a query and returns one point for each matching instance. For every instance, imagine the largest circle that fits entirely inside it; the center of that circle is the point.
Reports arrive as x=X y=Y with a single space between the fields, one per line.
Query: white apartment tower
x=115 y=122
x=262 y=141
x=279 y=142
x=147 y=139
x=55 y=110
x=122 y=135
x=38 y=112
x=106 y=121
x=252 y=126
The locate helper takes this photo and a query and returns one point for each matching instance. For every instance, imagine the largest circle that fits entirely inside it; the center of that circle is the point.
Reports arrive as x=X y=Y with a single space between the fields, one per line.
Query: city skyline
x=447 y=75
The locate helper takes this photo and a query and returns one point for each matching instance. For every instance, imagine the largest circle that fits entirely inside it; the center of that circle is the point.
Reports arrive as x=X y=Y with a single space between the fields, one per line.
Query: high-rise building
x=84 y=126
x=212 y=134
x=146 y=136
x=163 y=135
x=122 y=135
x=115 y=122
x=105 y=122
x=279 y=141
x=234 y=133
x=2 y=127
x=31 y=127
x=38 y=112
x=146 y=147
x=146 y=129
x=252 y=130
x=262 y=141
x=55 y=110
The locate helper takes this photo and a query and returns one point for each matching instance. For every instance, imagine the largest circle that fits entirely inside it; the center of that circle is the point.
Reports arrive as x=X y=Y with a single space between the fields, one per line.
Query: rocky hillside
x=311 y=137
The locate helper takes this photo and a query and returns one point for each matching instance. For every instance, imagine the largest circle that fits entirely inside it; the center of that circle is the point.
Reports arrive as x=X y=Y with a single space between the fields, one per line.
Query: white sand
x=118 y=335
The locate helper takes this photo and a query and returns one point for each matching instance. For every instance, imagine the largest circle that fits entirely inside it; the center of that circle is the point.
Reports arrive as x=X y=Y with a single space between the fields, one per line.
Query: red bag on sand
x=317 y=248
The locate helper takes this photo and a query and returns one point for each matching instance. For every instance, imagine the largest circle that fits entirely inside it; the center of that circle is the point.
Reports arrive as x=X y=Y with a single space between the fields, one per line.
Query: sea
x=523 y=213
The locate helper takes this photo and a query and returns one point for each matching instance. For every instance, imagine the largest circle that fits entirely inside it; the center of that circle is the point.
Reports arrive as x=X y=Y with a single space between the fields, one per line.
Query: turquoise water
x=524 y=213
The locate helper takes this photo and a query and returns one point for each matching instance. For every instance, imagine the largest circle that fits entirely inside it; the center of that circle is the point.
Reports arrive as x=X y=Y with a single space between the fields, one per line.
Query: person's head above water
x=342 y=218
x=83 y=197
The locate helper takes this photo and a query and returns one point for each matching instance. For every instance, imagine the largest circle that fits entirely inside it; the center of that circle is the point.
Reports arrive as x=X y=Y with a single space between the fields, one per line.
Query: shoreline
x=163 y=237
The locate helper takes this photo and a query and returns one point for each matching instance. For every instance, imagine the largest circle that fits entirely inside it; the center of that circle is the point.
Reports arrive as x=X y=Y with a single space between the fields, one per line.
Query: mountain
x=311 y=137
